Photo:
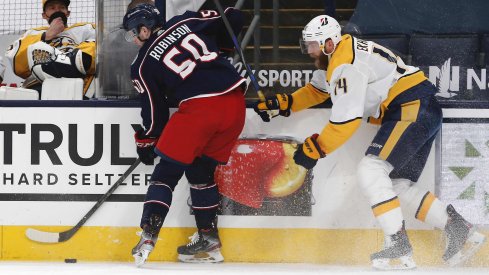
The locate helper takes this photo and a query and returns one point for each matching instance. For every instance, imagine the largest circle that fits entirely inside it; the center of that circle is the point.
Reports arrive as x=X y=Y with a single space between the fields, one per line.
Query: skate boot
x=397 y=253
x=146 y=244
x=463 y=241
x=204 y=247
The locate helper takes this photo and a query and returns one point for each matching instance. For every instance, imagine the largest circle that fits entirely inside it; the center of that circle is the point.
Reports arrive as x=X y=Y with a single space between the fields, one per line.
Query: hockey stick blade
x=58 y=237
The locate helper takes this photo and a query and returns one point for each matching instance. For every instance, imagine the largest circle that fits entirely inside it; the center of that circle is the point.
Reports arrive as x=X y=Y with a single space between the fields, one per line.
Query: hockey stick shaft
x=51 y=237
x=238 y=49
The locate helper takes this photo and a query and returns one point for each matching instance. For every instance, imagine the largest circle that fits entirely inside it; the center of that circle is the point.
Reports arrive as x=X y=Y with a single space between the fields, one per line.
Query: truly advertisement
x=49 y=141
x=65 y=156
x=56 y=162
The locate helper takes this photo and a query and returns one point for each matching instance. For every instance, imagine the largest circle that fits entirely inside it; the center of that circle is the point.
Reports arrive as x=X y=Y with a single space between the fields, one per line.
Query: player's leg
x=373 y=179
x=205 y=244
x=176 y=156
x=156 y=206
x=421 y=203
x=46 y=61
x=225 y=120
x=399 y=138
x=462 y=238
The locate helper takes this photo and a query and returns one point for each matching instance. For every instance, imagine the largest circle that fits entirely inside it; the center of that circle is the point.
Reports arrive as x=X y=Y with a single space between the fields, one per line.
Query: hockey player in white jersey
x=365 y=80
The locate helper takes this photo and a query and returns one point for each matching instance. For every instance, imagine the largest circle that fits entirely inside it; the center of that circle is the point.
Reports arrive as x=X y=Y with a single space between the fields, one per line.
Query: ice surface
x=90 y=268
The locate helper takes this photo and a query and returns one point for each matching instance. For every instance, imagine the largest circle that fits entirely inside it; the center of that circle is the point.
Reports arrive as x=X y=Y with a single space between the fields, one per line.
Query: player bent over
x=364 y=79
x=182 y=57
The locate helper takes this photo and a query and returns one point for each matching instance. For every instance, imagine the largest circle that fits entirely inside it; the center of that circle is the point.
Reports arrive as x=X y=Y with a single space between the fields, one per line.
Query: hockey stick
x=58 y=237
x=260 y=94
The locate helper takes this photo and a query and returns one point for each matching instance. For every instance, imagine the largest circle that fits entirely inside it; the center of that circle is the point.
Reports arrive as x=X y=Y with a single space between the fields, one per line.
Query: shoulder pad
x=344 y=54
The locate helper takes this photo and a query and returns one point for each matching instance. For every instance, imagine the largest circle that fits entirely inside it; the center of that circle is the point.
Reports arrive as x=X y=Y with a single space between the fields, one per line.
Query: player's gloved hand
x=279 y=102
x=308 y=153
x=145 y=146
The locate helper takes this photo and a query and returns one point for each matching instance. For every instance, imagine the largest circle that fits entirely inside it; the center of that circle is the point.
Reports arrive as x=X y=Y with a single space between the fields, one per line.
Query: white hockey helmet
x=320 y=29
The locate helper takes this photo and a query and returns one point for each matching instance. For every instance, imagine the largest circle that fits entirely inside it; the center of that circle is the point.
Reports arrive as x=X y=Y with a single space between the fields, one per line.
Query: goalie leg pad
x=373 y=179
x=46 y=61
x=40 y=53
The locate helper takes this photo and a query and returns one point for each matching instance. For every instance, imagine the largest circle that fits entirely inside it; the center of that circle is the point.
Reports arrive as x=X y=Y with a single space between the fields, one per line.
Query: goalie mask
x=142 y=15
x=317 y=31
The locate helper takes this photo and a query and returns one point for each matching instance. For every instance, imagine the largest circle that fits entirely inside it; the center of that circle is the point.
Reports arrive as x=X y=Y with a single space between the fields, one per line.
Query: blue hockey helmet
x=145 y=15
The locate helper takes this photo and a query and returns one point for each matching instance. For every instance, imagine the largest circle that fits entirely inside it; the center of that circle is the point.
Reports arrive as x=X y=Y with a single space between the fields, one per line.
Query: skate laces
x=194 y=239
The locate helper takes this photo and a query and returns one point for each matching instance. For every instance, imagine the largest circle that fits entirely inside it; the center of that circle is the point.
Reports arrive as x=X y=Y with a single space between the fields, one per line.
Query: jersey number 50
x=186 y=67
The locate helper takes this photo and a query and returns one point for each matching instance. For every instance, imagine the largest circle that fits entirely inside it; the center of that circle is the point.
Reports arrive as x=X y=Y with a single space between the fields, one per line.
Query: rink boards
x=58 y=159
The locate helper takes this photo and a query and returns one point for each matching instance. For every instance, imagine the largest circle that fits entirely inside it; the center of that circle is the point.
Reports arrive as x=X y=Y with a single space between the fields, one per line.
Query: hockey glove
x=279 y=102
x=145 y=146
x=308 y=153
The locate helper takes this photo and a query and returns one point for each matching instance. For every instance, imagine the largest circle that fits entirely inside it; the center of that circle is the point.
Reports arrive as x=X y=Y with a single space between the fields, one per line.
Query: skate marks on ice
x=158 y=268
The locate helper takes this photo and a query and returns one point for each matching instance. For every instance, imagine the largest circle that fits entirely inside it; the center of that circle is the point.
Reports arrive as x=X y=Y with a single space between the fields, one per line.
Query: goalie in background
x=55 y=51
x=365 y=80
x=182 y=57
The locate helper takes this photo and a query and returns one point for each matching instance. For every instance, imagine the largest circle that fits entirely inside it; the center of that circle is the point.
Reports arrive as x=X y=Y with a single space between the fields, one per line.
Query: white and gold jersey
x=362 y=78
x=81 y=36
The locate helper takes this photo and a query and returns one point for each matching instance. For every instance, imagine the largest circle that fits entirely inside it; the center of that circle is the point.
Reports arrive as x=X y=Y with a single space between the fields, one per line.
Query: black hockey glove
x=145 y=146
x=308 y=153
x=279 y=102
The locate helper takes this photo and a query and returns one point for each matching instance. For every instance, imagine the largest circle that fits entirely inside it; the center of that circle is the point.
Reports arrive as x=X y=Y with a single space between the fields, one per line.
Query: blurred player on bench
x=55 y=51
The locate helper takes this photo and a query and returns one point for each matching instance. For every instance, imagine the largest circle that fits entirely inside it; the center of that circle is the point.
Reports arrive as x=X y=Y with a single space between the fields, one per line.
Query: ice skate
x=146 y=244
x=204 y=247
x=463 y=241
x=397 y=253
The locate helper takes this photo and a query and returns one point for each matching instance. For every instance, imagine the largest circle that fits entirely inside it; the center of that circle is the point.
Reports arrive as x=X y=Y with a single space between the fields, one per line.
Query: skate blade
x=140 y=257
x=472 y=245
x=402 y=263
x=214 y=256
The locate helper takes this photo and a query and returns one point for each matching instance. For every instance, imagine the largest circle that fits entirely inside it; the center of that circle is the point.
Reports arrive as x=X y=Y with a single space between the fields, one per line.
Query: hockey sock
x=205 y=201
x=157 y=202
x=432 y=211
x=421 y=203
x=373 y=178
x=389 y=215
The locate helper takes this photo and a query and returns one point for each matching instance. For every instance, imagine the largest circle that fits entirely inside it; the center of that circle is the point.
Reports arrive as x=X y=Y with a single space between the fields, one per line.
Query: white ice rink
x=89 y=268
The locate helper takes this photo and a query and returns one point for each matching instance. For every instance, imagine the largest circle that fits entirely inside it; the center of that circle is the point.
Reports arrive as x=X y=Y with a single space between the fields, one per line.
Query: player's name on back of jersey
x=167 y=40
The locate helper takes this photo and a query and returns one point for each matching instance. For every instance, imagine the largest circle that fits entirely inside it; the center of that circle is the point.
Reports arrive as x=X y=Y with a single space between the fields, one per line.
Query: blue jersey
x=183 y=60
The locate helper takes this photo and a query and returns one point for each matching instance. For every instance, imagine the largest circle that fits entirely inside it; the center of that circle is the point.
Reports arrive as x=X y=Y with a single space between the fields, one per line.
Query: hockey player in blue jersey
x=182 y=57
